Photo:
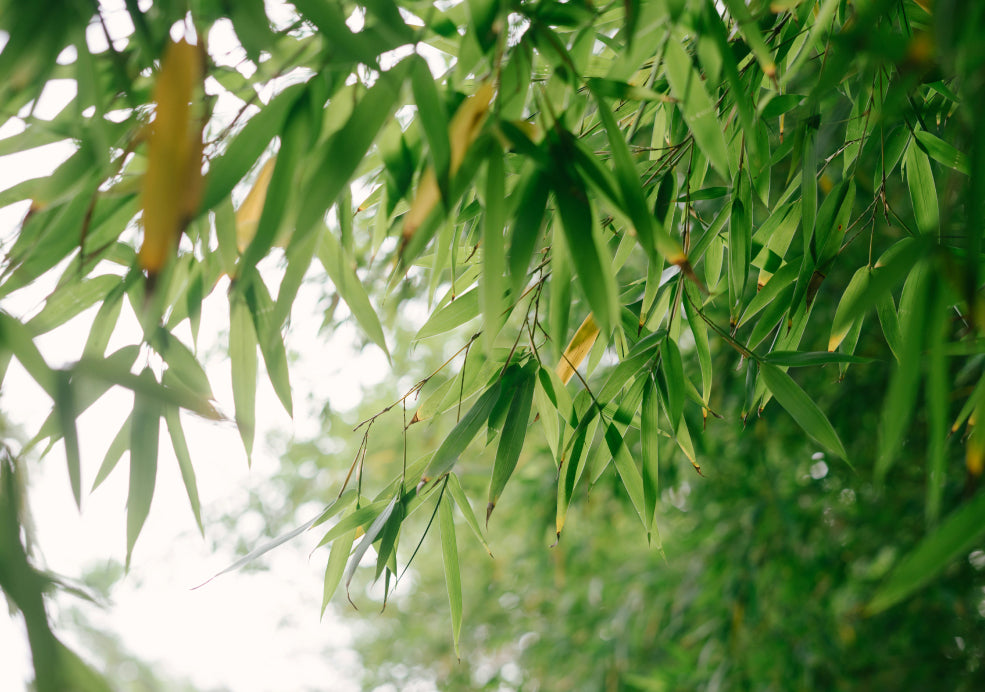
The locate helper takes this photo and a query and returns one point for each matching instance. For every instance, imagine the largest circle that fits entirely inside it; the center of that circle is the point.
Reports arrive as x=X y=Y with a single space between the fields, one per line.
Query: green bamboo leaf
x=243 y=361
x=942 y=152
x=958 y=533
x=672 y=369
x=845 y=313
x=119 y=445
x=67 y=414
x=650 y=441
x=386 y=550
x=889 y=320
x=514 y=432
x=453 y=575
x=574 y=455
x=696 y=106
x=337 y=559
x=784 y=277
x=631 y=478
x=372 y=533
x=463 y=433
x=69 y=299
x=456 y=313
x=145 y=428
x=801 y=408
x=182 y=363
x=902 y=394
x=340 y=270
x=739 y=243
x=105 y=321
x=491 y=281
x=465 y=507
x=628 y=178
x=528 y=223
x=923 y=190
x=16 y=339
x=269 y=337
x=173 y=419
x=434 y=120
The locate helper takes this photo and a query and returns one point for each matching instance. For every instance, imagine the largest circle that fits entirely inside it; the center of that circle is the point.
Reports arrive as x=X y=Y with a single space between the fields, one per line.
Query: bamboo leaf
x=453 y=576
x=456 y=313
x=145 y=428
x=650 y=441
x=243 y=361
x=803 y=410
x=696 y=106
x=339 y=267
x=337 y=559
x=514 y=432
x=579 y=346
x=465 y=507
x=491 y=281
x=372 y=533
x=173 y=420
x=923 y=190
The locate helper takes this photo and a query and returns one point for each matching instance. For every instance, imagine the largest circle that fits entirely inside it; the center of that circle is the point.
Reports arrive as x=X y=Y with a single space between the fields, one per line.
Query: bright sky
x=247 y=631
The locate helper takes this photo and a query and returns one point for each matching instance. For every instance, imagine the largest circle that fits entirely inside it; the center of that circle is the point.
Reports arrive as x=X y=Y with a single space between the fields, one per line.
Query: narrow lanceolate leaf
x=511 y=439
x=145 y=427
x=372 y=533
x=269 y=337
x=696 y=106
x=958 y=533
x=173 y=420
x=629 y=181
x=579 y=346
x=465 y=507
x=69 y=300
x=672 y=368
x=844 y=317
x=65 y=406
x=456 y=313
x=453 y=574
x=628 y=472
x=739 y=243
x=463 y=433
x=339 y=267
x=589 y=255
x=526 y=227
x=337 y=559
x=494 y=254
x=650 y=441
x=902 y=394
x=923 y=191
x=800 y=406
x=119 y=445
x=243 y=360
x=942 y=152
x=172 y=185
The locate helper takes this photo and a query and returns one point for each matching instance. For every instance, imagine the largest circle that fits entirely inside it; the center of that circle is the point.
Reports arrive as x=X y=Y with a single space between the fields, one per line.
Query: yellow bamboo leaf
x=172 y=185
x=462 y=131
x=248 y=214
x=579 y=346
x=975 y=446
